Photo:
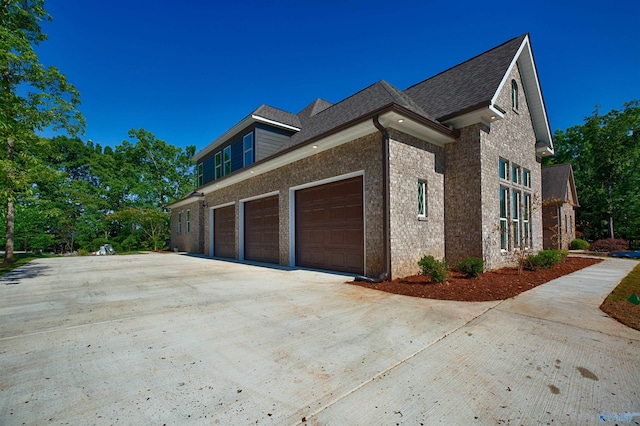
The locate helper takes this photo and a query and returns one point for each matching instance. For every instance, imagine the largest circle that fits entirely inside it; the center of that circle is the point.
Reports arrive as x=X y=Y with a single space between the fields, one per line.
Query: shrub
x=437 y=269
x=545 y=259
x=471 y=266
x=579 y=244
x=610 y=244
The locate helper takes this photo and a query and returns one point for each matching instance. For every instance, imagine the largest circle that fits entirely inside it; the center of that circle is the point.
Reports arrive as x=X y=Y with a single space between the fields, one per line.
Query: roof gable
x=558 y=184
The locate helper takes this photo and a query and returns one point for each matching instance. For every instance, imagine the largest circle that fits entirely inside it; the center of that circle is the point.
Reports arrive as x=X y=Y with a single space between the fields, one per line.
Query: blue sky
x=189 y=70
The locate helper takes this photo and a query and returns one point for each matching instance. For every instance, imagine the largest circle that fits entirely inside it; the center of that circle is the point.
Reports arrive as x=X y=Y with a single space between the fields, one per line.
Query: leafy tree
x=605 y=154
x=150 y=225
x=33 y=97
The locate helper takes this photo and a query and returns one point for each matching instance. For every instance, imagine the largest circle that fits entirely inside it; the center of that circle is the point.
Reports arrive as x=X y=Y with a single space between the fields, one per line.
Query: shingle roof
x=557 y=181
x=278 y=115
x=313 y=108
x=466 y=85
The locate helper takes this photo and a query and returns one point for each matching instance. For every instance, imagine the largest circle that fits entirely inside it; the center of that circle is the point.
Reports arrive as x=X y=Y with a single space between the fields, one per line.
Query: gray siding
x=267 y=142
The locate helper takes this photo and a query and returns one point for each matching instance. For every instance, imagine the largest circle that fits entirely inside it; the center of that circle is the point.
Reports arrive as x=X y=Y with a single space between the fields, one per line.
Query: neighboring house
x=448 y=167
x=559 y=200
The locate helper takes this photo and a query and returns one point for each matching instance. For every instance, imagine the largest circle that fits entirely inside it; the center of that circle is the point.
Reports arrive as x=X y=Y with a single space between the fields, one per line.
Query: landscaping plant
x=471 y=266
x=579 y=244
x=437 y=269
x=545 y=259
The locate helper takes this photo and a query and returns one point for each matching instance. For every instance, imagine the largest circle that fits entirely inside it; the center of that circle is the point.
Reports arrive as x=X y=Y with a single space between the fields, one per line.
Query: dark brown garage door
x=330 y=226
x=261 y=230
x=224 y=235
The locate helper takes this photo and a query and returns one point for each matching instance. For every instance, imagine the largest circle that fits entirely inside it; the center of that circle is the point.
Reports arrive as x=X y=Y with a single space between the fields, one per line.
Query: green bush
x=545 y=259
x=579 y=244
x=437 y=269
x=471 y=266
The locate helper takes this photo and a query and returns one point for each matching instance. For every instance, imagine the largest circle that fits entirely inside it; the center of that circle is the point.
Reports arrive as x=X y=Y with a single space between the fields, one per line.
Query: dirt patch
x=494 y=285
x=625 y=312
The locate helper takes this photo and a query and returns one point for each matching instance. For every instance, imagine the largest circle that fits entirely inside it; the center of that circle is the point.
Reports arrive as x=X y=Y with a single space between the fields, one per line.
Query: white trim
x=274 y=123
x=241 y=204
x=292 y=212
x=211 y=227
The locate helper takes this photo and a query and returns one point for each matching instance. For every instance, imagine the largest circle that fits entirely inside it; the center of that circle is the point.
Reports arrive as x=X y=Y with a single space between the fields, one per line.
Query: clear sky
x=188 y=70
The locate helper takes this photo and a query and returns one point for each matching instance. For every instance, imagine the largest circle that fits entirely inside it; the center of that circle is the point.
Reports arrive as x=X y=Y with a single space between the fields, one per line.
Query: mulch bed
x=494 y=285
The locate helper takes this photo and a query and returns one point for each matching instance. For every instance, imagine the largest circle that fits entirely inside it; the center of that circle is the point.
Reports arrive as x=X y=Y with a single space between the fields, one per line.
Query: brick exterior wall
x=513 y=139
x=559 y=225
x=411 y=160
x=192 y=241
x=361 y=154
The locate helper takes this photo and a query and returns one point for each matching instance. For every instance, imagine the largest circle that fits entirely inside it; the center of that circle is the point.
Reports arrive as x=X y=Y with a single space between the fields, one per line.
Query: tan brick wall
x=410 y=160
x=361 y=154
x=559 y=225
x=191 y=241
x=513 y=139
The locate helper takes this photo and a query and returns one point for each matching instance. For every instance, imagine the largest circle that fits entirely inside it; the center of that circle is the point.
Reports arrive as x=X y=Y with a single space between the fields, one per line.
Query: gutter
x=386 y=275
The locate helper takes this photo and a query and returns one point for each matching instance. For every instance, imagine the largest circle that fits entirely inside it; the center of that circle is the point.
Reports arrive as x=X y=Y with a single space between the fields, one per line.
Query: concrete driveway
x=168 y=339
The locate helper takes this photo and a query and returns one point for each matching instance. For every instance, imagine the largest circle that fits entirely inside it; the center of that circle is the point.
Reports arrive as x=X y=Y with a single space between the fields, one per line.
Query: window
x=422 y=198
x=247 y=149
x=526 y=220
x=188 y=221
x=503 y=166
x=200 y=168
x=515 y=102
x=516 y=177
x=526 y=178
x=218 y=165
x=226 y=152
x=515 y=217
x=566 y=224
x=504 y=228
x=179 y=223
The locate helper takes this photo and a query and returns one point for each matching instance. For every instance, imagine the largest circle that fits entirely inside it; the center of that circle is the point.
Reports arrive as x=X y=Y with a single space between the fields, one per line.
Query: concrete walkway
x=166 y=339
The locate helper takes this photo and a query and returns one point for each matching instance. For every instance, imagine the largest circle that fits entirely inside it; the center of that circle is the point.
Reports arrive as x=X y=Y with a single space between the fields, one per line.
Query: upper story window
x=515 y=101
x=218 y=165
x=516 y=176
x=179 y=223
x=200 y=174
x=503 y=167
x=422 y=198
x=526 y=178
x=188 y=221
x=247 y=149
x=226 y=153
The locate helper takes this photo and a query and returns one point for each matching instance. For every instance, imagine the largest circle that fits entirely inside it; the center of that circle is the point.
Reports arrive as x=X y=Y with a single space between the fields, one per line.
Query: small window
x=526 y=178
x=247 y=147
x=179 y=223
x=503 y=166
x=515 y=101
x=422 y=198
x=218 y=165
x=200 y=174
x=516 y=177
x=188 y=221
x=226 y=152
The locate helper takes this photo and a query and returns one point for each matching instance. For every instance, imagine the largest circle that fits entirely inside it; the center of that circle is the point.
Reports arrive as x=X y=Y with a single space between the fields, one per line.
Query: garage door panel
x=261 y=230
x=330 y=226
x=224 y=232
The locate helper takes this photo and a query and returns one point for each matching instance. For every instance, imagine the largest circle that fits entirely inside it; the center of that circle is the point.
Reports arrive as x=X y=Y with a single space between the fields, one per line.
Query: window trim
x=218 y=165
x=515 y=96
x=504 y=219
x=526 y=221
x=246 y=150
x=422 y=191
x=516 y=199
x=200 y=174
x=526 y=178
x=188 y=226
x=226 y=160
x=503 y=166
x=516 y=174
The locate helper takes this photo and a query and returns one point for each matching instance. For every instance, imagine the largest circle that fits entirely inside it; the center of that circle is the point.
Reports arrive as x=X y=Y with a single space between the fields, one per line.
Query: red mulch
x=494 y=285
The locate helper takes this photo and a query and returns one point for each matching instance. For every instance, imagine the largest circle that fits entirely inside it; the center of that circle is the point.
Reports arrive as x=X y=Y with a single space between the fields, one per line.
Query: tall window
x=218 y=165
x=526 y=220
x=422 y=198
x=526 y=178
x=504 y=221
x=226 y=153
x=515 y=101
x=200 y=169
x=516 y=177
x=515 y=217
x=247 y=149
x=188 y=221
x=179 y=223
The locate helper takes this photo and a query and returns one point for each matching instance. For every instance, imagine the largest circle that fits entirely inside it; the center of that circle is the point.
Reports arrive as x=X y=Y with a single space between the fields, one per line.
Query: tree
x=605 y=154
x=33 y=97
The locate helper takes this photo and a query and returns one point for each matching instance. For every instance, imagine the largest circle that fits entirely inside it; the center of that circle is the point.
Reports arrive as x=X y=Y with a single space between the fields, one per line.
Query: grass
x=20 y=259
x=616 y=304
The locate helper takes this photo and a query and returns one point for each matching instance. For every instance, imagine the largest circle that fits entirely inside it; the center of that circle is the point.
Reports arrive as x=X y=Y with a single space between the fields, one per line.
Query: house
x=367 y=186
x=559 y=200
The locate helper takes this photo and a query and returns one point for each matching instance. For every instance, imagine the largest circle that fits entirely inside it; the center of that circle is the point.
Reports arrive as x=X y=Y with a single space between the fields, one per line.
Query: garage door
x=330 y=226
x=224 y=235
x=261 y=230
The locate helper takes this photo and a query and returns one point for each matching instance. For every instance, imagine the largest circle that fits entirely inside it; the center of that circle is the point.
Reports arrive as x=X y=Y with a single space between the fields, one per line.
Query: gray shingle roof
x=313 y=108
x=466 y=85
x=278 y=115
x=557 y=181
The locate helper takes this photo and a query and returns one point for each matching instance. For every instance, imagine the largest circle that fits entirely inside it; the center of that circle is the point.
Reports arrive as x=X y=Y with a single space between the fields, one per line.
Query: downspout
x=386 y=275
